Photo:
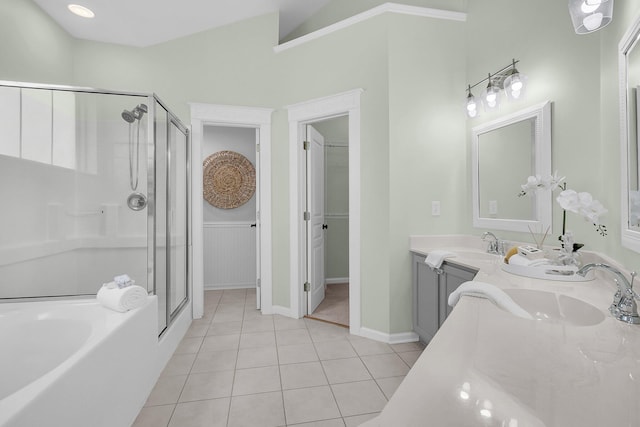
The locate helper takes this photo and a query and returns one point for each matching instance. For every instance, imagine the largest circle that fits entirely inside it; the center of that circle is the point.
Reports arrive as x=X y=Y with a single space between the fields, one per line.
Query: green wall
x=33 y=48
x=415 y=138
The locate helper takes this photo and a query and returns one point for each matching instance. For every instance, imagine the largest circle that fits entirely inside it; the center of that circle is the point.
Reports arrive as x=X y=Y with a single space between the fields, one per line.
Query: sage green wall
x=579 y=74
x=563 y=68
x=338 y=10
x=33 y=48
x=426 y=144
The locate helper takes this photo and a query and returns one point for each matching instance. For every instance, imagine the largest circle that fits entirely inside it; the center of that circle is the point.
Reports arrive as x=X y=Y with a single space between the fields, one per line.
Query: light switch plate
x=435 y=208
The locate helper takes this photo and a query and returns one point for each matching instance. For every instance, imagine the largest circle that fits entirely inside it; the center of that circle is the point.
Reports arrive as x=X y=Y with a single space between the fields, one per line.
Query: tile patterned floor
x=236 y=367
x=335 y=306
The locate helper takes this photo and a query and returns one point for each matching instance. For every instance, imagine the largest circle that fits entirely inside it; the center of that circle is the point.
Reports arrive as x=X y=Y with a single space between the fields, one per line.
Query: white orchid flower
x=582 y=204
x=569 y=201
x=555 y=181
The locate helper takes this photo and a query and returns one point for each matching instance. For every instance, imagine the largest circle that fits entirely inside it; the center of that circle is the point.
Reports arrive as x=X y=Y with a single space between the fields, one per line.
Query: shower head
x=136 y=114
x=128 y=116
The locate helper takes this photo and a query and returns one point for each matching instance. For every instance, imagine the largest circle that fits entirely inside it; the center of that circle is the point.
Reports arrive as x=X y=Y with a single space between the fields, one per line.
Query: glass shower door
x=171 y=214
x=178 y=213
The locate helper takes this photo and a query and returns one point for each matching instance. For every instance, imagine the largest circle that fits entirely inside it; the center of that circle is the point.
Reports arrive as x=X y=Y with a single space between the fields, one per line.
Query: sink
x=549 y=307
x=476 y=256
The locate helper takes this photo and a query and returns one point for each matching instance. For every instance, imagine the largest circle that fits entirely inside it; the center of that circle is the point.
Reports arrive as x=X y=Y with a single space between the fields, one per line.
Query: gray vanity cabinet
x=431 y=292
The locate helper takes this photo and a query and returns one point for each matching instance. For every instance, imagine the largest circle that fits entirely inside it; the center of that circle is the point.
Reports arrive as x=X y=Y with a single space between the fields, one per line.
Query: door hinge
x=307 y=286
x=257 y=148
x=258 y=283
x=307 y=215
x=305 y=145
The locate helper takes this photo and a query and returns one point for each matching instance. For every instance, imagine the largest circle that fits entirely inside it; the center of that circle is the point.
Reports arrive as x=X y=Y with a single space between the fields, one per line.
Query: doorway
x=328 y=227
x=258 y=119
x=231 y=193
x=312 y=111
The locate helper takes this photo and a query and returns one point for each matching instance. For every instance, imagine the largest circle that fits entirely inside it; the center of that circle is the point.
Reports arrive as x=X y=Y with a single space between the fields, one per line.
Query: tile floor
x=335 y=306
x=236 y=367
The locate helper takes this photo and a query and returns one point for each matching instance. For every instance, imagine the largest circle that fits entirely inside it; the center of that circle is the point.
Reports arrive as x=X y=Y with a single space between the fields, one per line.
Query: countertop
x=486 y=367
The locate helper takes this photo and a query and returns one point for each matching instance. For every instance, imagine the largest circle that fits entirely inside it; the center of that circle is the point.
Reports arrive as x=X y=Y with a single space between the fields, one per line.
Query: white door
x=257 y=223
x=315 y=224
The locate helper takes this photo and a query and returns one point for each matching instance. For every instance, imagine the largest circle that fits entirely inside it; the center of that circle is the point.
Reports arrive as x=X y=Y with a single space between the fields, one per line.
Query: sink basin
x=476 y=256
x=549 y=307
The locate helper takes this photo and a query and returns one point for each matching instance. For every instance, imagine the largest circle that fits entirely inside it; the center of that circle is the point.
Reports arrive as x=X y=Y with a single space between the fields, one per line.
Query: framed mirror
x=629 y=72
x=505 y=152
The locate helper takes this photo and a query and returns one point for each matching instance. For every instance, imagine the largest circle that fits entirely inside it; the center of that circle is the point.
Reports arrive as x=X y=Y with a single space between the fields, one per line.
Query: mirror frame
x=630 y=238
x=542 y=155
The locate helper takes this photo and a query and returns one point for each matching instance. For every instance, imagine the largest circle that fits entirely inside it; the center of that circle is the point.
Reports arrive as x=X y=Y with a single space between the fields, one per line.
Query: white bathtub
x=75 y=363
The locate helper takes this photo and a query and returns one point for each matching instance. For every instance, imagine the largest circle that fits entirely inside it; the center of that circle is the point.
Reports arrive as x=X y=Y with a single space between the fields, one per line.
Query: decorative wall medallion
x=229 y=179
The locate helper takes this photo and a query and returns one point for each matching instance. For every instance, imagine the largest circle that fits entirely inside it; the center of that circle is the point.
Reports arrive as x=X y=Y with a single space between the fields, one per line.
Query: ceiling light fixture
x=588 y=16
x=507 y=78
x=81 y=11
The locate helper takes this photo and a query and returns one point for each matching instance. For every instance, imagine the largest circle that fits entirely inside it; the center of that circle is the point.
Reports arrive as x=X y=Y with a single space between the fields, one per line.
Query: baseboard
x=282 y=311
x=223 y=286
x=397 y=338
x=335 y=280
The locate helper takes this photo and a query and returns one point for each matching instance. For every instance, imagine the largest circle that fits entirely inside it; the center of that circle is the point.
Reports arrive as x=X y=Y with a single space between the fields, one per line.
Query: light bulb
x=515 y=94
x=592 y=22
x=491 y=98
x=589 y=6
x=516 y=84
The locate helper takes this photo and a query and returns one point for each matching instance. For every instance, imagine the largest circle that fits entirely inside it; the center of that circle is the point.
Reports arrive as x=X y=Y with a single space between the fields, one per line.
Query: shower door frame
x=171 y=119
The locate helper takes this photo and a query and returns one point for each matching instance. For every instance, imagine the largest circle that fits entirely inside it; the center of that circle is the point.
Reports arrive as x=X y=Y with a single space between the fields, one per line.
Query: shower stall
x=94 y=185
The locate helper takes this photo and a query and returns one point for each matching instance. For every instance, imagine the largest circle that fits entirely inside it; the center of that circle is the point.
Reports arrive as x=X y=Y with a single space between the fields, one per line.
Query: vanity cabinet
x=430 y=294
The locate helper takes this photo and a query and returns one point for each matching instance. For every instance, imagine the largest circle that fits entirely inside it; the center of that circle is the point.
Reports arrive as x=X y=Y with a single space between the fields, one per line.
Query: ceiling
x=147 y=22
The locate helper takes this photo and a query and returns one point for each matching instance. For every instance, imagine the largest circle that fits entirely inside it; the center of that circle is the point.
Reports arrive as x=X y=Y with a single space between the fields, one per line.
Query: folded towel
x=435 y=258
x=122 y=299
x=490 y=292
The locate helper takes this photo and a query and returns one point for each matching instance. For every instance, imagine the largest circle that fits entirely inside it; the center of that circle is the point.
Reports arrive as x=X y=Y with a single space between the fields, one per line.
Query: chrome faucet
x=495 y=246
x=623 y=307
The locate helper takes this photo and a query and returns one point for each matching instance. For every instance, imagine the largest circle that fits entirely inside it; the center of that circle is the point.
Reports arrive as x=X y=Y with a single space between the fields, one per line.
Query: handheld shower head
x=129 y=116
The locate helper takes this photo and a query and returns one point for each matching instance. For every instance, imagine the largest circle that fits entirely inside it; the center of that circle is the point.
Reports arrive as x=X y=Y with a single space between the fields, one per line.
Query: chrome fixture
x=588 y=16
x=508 y=79
x=494 y=246
x=135 y=114
x=134 y=146
x=623 y=307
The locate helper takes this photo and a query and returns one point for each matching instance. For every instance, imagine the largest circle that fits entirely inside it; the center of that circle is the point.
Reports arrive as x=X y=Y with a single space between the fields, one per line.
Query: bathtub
x=75 y=363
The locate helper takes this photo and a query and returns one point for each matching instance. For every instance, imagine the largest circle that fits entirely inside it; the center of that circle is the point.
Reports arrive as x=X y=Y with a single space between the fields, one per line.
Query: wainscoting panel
x=229 y=255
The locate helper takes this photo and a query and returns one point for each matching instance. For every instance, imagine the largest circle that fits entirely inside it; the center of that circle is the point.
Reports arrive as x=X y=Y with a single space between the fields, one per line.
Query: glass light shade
x=471 y=106
x=515 y=85
x=491 y=97
x=590 y=15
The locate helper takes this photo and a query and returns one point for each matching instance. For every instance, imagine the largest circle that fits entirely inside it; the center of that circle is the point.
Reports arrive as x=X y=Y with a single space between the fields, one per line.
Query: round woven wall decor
x=229 y=179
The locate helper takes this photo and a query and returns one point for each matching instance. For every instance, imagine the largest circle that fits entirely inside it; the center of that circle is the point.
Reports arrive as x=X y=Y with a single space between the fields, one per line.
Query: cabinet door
x=426 y=295
x=453 y=277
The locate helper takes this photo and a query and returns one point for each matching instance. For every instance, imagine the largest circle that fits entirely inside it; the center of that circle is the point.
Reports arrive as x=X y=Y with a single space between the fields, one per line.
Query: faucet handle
x=633 y=276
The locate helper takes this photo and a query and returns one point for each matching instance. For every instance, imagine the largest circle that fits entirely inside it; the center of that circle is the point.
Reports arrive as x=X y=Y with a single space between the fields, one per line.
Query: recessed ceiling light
x=81 y=11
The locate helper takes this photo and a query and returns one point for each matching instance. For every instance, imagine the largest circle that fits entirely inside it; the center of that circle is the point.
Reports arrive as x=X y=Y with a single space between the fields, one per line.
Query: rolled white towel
x=435 y=258
x=490 y=292
x=524 y=261
x=122 y=299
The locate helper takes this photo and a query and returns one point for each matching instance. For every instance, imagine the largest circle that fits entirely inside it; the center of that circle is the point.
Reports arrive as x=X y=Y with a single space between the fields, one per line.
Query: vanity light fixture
x=588 y=16
x=81 y=11
x=508 y=79
x=472 y=105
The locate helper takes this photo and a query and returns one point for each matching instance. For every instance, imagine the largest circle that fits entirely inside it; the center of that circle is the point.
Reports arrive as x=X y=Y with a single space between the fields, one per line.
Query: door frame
x=231 y=116
x=301 y=114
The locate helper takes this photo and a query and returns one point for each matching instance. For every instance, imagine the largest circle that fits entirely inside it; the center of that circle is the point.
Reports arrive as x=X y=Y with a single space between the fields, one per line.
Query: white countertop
x=486 y=367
